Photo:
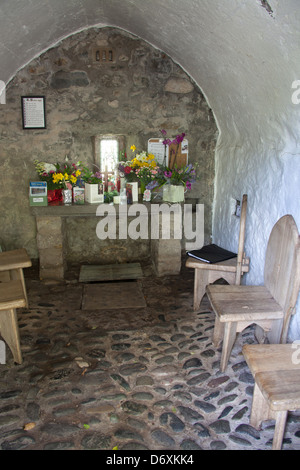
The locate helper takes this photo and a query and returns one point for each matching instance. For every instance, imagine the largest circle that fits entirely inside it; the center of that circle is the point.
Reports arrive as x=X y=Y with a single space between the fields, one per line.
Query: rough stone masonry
x=137 y=93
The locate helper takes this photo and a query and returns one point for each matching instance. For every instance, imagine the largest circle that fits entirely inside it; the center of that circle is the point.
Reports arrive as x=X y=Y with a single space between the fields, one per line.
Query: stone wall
x=137 y=93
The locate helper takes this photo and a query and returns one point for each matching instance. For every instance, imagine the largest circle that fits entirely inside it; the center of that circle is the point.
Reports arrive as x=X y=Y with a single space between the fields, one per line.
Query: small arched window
x=107 y=151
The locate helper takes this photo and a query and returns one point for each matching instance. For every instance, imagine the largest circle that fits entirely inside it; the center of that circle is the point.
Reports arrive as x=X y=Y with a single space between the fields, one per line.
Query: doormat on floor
x=112 y=295
x=110 y=272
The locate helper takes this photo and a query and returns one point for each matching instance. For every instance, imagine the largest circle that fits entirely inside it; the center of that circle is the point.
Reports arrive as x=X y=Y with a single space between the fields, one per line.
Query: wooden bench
x=12 y=264
x=276 y=371
x=11 y=298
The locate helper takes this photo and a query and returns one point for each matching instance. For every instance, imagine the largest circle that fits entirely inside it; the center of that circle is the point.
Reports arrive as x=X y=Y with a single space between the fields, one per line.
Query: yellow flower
x=66 y=176
x=133 y=148
x=78 y=173
x=73 y=179
x=57 y=177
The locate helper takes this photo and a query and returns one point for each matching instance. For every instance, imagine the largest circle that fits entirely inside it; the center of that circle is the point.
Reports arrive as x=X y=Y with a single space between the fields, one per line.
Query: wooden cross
x=176 y=157
x=105 y=179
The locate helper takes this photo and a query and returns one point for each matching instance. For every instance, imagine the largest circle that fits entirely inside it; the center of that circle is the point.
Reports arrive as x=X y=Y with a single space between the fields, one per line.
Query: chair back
x=241 y=254
x=282 y=267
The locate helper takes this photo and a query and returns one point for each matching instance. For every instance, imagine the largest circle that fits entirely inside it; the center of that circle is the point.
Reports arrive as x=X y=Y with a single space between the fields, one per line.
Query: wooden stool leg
x=218 y=332
x=200 y=283
x=18 y=274
x=279 y=429
x=10 y=333
x=228 y=341
x=260 y=410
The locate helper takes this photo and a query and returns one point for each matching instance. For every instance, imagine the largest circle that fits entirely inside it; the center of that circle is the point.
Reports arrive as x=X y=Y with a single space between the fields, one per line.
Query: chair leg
x=228 y=341
x=275 y=331
x=10 y=333
x=200 y=283
x=279 y=429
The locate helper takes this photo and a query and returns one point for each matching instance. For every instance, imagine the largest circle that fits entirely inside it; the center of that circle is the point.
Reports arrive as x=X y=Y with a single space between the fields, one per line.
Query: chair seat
x=228 y=265
x=243 y=303
x=11 y=295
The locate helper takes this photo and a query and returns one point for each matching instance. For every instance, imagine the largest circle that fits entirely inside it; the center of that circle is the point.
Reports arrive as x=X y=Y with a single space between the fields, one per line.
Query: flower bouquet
x=46 y=172
x=94 y=190
x=185 y=176
x=127 y=171
x=91 y=177
x=58 y=177
x=145 y=167
x=67 y=177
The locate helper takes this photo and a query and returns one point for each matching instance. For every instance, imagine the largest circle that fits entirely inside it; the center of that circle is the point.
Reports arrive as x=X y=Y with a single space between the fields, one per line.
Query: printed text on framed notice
x=33 y=112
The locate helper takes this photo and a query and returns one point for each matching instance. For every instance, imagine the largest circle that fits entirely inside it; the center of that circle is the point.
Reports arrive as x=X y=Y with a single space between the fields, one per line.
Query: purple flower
x=179 y=138
x=188 y=185
x=168 y=174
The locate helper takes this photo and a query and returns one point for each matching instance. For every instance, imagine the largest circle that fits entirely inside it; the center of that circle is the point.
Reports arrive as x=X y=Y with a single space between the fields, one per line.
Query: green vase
x=143 y=187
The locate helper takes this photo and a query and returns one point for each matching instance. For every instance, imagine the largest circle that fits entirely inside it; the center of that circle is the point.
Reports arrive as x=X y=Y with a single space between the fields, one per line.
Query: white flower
x=49 y=167
x=142 y=157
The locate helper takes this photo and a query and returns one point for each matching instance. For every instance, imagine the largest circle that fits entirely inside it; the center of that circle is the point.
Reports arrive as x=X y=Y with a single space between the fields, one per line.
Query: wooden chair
x=276 y=370
x=230 y=270
x=11 y=298
x=269 y=306
x=12 y=264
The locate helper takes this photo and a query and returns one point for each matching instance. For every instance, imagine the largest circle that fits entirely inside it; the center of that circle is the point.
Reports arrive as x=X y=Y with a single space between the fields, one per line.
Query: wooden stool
x=11 y=298
x=276 y=370
x=11 y=266
x=230 y=270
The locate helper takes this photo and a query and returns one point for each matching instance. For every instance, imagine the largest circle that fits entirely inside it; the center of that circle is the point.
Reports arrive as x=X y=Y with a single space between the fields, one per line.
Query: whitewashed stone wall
x=271 y=178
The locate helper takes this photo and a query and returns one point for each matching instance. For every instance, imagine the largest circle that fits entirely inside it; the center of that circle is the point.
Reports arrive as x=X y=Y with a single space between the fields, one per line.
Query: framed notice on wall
x=33 y=112
x=169 y=155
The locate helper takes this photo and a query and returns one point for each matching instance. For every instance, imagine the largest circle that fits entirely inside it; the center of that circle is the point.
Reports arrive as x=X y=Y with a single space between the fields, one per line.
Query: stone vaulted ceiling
x=244 y=54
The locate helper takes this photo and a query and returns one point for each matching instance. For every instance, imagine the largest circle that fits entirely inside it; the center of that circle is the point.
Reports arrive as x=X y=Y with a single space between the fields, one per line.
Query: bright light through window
x=109 y=151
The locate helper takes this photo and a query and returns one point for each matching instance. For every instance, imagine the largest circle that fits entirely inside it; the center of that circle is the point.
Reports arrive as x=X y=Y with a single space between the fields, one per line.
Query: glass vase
x=67 y=196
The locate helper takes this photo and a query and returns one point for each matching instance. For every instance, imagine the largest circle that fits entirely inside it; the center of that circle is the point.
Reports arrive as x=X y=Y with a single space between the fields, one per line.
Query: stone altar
x=50 y=223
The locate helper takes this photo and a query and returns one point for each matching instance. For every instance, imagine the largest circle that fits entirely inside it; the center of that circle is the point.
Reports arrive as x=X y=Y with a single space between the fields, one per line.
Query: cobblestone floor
x=129 y=379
